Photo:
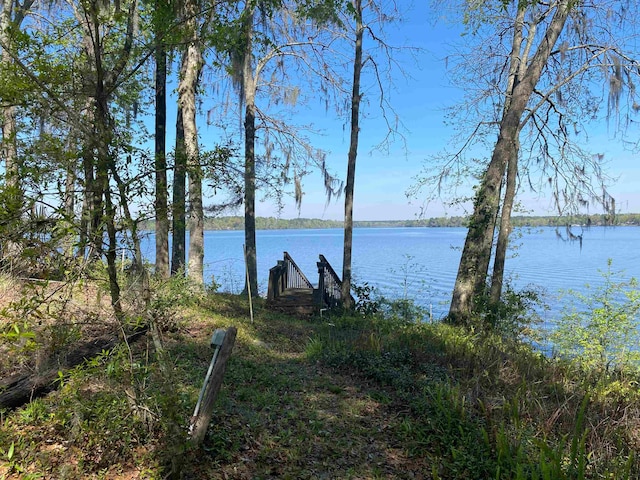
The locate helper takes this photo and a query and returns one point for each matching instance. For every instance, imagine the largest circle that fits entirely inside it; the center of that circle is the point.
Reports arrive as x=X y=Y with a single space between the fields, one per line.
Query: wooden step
x=295 y=301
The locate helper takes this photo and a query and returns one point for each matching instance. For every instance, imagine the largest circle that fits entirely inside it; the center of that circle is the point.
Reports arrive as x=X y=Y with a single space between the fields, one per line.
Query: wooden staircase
x=290 y=291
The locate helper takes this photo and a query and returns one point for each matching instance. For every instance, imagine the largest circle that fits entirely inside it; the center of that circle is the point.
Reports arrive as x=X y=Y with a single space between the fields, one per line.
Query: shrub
x=599 y=329
x=515 y=315
x=170 y=294
x=403 y=309
x=367 y=302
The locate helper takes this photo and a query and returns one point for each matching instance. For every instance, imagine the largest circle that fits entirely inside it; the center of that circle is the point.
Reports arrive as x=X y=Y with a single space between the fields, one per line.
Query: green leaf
x=10 y=452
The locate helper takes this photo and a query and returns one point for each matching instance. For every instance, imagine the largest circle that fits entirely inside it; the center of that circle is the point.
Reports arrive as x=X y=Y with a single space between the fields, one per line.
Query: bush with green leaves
x=515 y=315
x=367 y=302
x=599 y=329
x=403 y=309
x=170 y=294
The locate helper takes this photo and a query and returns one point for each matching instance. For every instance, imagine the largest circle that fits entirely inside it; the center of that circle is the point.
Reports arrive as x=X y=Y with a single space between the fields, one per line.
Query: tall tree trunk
x=187 y=89
x=91 y=226
x=161 y=209
x=497 y=277
x=112 y=246
x=9 y=148
x=99 y=153
x=517 y=69
x=517 y=60
x=249 y=87
x=187 y=98
x=478 y=244
x=85 y=212
x=8 y=112
x=353 y=153
x=179 y=233
x=250 y=199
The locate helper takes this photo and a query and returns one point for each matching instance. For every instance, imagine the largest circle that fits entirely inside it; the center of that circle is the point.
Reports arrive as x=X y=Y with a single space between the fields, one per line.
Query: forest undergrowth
x=347 y=396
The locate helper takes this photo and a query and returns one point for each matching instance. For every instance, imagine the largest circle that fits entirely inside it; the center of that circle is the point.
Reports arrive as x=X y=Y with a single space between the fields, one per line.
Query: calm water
x=422 y=263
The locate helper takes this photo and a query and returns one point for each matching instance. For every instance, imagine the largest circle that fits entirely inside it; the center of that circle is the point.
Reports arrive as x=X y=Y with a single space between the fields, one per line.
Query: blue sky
x=420 y=100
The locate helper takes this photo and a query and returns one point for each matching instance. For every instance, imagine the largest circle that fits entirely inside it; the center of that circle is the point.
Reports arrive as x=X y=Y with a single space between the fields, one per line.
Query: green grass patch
x=347 y=397
x=482 y=406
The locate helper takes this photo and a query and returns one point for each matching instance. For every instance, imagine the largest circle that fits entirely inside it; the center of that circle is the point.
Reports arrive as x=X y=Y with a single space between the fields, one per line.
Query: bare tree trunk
x=24 y=387
x=111 y=252
x=517 y=68
x=85 y=212
x=161 y=210
x=477 y=247
x=250 y=199
x=479 y=239
x=497 y=276
x=249 y=87
x=353 y=153
x=187 y=98
x=187 y=89
x=179 y=234
x=103 y=161
x=9 y=147
x=8 y=120
x=9 y=18
x=480 y=284
x=91 y=229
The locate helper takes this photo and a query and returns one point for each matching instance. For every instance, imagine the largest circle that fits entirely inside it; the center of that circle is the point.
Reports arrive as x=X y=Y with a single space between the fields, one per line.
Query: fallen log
x=20 y=389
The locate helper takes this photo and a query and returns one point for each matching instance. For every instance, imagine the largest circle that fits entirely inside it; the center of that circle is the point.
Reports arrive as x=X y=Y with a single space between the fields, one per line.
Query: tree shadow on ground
x=281 y=416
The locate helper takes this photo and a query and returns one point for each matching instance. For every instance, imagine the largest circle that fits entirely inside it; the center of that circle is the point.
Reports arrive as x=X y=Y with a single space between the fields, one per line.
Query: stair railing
x=286 y=274
x=329 y=284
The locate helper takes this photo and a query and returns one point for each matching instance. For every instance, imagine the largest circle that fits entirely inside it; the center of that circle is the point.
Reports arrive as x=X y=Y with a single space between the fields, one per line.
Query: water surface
x=422 y=262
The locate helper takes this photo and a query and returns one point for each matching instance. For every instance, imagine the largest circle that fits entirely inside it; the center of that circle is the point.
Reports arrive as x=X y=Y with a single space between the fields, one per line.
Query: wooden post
x=201 y=422
x=321 y=267
x=284 y=271
x=273 y=284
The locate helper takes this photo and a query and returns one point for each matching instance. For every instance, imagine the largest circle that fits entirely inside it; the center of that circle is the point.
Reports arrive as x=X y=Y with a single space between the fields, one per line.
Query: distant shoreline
x=272 y=223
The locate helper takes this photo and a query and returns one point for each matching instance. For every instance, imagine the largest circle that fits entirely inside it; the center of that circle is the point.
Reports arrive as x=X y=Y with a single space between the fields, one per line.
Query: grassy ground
x=280 y=415
x=326 y=398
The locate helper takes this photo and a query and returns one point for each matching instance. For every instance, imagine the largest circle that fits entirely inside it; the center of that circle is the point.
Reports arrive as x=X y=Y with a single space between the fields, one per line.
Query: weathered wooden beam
x=19 y=389
x=201 y=421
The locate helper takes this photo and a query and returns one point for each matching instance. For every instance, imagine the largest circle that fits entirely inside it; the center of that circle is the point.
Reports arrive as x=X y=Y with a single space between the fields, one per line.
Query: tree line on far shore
x=273 y=223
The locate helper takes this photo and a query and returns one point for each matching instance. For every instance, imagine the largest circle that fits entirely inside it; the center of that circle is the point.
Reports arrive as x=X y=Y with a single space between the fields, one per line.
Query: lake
x=421 y=263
